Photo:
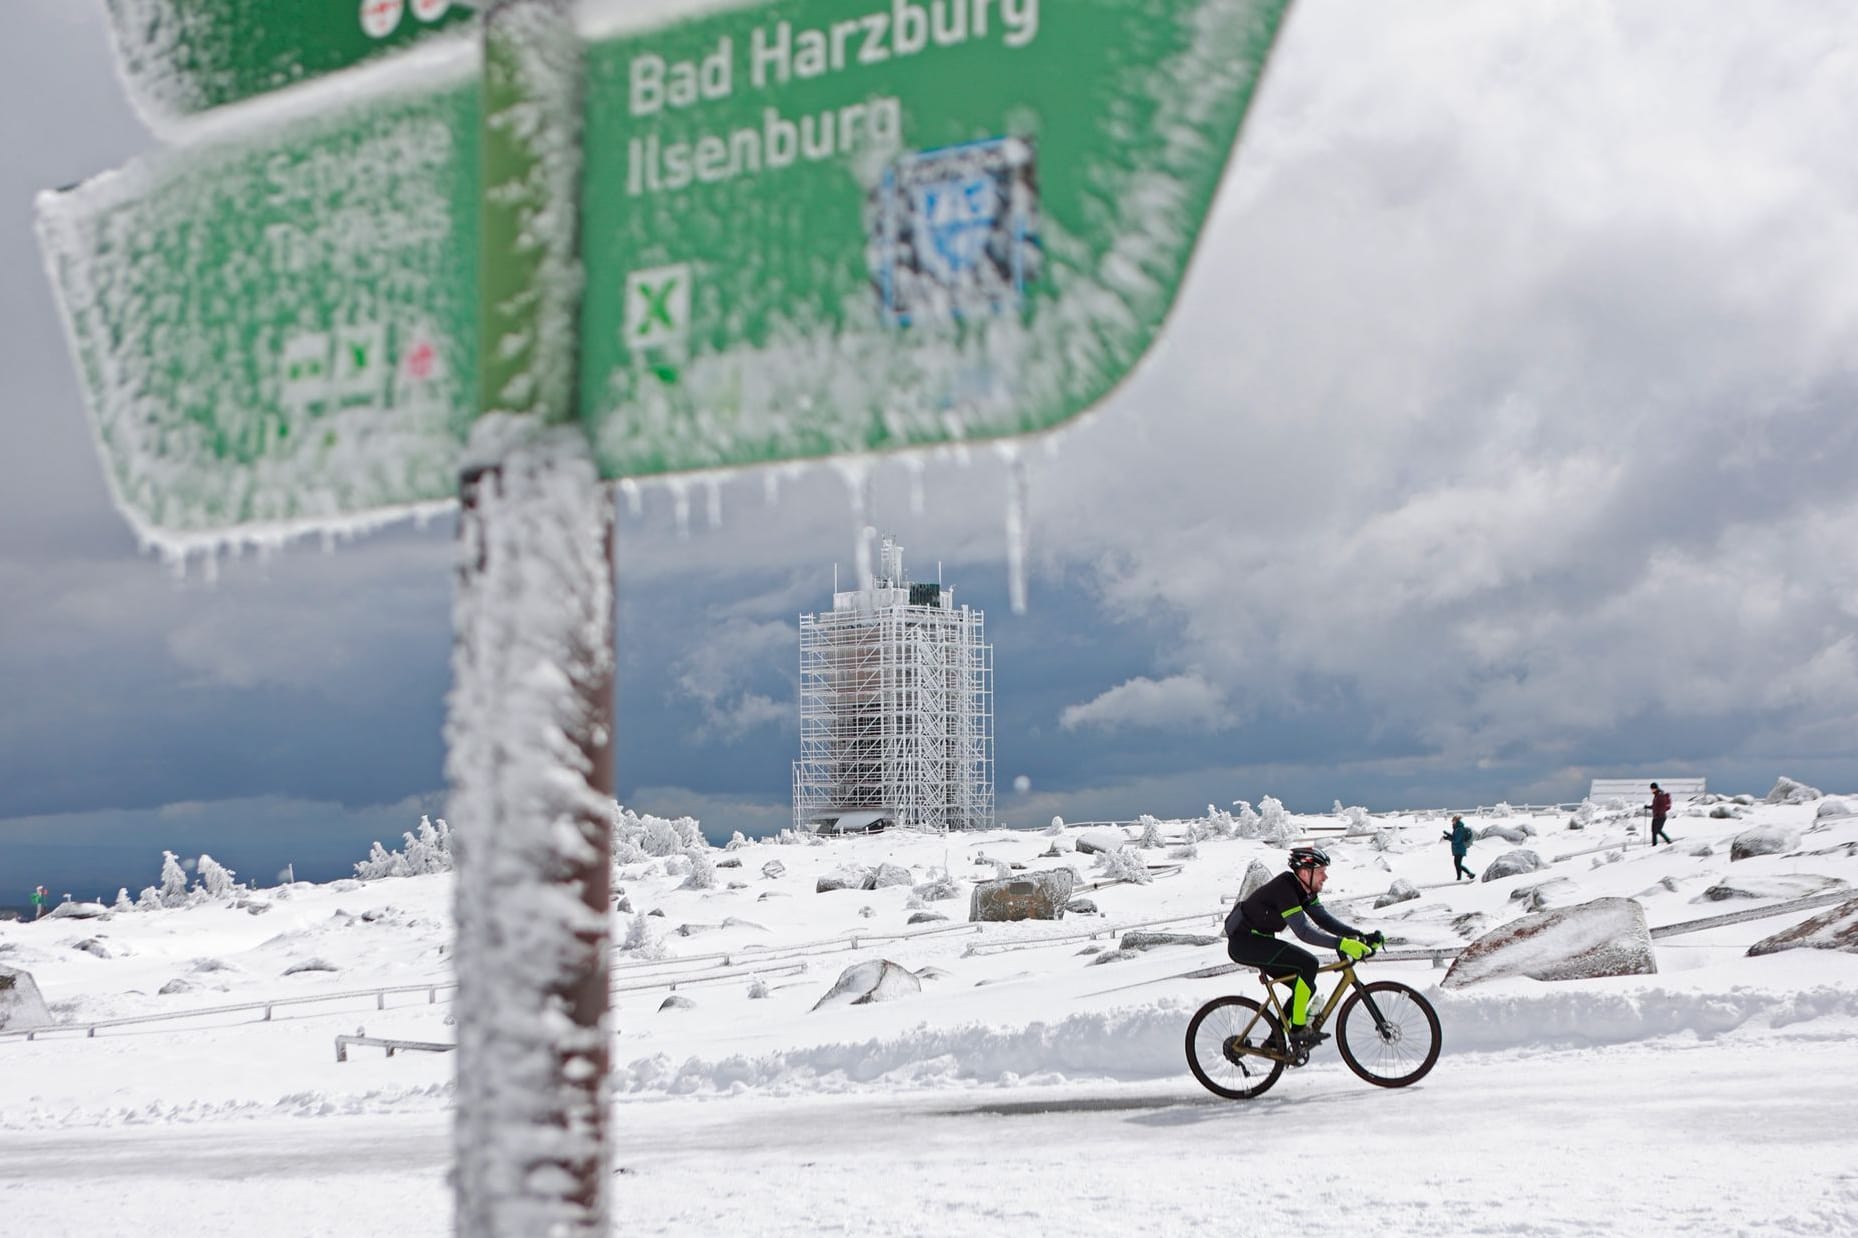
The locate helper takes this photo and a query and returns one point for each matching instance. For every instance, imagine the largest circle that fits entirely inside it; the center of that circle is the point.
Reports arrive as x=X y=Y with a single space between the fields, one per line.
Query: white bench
x=1639 y=790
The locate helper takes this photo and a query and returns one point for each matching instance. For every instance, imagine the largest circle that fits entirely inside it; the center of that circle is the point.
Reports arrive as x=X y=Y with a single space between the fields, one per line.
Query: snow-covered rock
x=1545 y=895
x=877 y=980
x=1763 y=840
x=1091 y=842
x=21 y=1007
x=1511 y=863
x=1034 y=896
x=1605 y=937
x=77 y=911
x=1776 y=886
x=1836 y=929
x=850 y=877
x=888 y=875
x=925 y=917
x=1508 y=833
x=1142 y=939
x=1256 y=874
x=773 y=869
x=1400 y=891
x=677 y=1001
x=1787 y=791
x=1832 y=806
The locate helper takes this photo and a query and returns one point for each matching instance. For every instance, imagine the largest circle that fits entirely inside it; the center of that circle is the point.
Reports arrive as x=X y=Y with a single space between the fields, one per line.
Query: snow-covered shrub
x=1125 y=864
x=757 y=988
x=1186 y=852
x=1247 y=823
x=381 y=863
x=1056 y=827
x=640 y=941
x=1583 y=816
x=737 y=841
x=702 y=874
x=215 y=878
x=1357 y=818
x=1151 y=831
x=122 y=900
x=1274 y=825
x=149 y=899
x=173 y=881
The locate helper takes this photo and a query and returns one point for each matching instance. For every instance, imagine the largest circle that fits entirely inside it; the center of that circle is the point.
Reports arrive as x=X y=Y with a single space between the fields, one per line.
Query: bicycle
x=1388 y=1034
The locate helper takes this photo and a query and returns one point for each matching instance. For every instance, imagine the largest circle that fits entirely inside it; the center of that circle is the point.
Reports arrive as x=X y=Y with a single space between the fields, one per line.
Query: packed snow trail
x=1739 y=1134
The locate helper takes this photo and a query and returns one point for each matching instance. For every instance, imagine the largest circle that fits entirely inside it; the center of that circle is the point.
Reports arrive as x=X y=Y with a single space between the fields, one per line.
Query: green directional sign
x=282 y=328
x=823 y=226
x=185 y=56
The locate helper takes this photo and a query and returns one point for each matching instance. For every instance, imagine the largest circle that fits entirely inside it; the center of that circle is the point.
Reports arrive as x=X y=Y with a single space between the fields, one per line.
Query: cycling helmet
x=1308 y=857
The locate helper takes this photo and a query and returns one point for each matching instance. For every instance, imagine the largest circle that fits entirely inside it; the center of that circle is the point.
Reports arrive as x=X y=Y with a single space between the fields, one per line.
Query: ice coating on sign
x=278 y=326
x=181 y=57
x=799 y=245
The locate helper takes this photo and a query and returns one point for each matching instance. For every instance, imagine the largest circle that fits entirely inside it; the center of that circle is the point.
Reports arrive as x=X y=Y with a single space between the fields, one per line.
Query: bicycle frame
x=1346 y=980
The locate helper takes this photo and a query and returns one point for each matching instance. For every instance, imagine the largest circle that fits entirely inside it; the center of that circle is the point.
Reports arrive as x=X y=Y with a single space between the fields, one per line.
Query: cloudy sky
x=1502 y=439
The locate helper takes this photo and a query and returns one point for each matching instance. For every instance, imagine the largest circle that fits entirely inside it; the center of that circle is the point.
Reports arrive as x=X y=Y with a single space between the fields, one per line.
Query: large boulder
x=1091 y=842
x=1511 y=863
x=1508 y=833
x=878 y=980
x=1832 y=806
x=21 y=1007
x=1832 y=930
x=1787 y=791
x=1606 y=937
x=1400 y=891
x=890 y=875
x=1763 y=840
x=1034 y=896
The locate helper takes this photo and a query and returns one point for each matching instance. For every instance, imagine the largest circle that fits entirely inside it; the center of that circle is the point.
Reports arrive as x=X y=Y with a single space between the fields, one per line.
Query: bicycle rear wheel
x=1399 y=1046
x=1218 y=1040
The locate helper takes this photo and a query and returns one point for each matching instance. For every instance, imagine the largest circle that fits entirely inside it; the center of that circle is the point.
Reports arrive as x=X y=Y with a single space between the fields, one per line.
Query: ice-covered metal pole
x=529 y=745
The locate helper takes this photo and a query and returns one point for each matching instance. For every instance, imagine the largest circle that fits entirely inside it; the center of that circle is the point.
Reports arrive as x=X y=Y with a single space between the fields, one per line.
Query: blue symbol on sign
x=954 y=231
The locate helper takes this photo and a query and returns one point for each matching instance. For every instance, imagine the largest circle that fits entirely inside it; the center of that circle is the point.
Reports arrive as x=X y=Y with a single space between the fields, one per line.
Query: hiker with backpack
x=1460 y=838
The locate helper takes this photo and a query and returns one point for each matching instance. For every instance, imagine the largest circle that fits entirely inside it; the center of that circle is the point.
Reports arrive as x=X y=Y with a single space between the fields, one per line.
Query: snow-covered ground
x=1028 y=1083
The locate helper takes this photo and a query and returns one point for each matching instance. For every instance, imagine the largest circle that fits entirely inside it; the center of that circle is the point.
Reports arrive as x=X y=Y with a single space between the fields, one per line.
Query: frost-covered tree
x=122 y=900
x=430 y=850
x=1151 y=832
x=215 y=878
x=702 y=875
x=1056 y=827
x=173 y=881
x=381 y=863
x=149 y=899
x=737 y=841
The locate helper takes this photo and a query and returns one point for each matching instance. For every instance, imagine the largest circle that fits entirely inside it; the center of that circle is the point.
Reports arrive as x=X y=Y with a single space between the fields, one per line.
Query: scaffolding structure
x=896 y=709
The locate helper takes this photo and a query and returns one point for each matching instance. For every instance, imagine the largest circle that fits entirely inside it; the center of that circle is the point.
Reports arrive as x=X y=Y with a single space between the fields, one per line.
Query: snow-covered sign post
x=506 y=264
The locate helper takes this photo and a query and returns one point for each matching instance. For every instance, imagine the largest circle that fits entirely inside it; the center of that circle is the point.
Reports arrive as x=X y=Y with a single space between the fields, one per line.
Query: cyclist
x=1253 y=925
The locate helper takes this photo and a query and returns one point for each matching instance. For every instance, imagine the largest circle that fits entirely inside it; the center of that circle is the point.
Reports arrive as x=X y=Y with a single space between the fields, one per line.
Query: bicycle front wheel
x=1223 y=1040
x=1388 y=1034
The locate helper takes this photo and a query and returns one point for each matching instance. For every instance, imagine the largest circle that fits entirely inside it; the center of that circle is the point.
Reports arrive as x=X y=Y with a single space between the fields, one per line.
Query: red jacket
x=1661 y=803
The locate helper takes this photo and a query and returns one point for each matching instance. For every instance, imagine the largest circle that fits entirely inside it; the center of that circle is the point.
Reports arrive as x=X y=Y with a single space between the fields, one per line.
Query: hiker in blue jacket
x=1460 y=838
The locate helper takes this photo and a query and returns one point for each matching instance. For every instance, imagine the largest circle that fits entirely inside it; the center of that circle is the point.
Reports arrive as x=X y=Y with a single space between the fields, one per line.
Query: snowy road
x=1738 y=1135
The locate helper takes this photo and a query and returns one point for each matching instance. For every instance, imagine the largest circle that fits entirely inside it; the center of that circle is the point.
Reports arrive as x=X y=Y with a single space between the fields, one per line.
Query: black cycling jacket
x=1283 y=901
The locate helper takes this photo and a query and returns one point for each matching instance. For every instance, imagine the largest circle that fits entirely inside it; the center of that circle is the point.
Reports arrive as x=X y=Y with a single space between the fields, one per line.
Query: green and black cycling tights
x=1278 y=958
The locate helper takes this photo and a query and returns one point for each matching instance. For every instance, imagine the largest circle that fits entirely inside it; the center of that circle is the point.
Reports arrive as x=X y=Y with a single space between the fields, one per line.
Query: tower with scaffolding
x=896 y=709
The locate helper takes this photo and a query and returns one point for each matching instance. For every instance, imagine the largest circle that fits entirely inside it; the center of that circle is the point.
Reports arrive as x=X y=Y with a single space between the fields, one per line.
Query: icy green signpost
x=509 y=263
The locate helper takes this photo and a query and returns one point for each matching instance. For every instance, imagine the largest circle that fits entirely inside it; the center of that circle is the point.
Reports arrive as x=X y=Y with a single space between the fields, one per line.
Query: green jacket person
x=1460 y=836
x=1289 y=900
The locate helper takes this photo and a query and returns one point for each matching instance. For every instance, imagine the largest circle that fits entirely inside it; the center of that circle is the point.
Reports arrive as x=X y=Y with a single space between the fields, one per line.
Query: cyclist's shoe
x=1306 y=1037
